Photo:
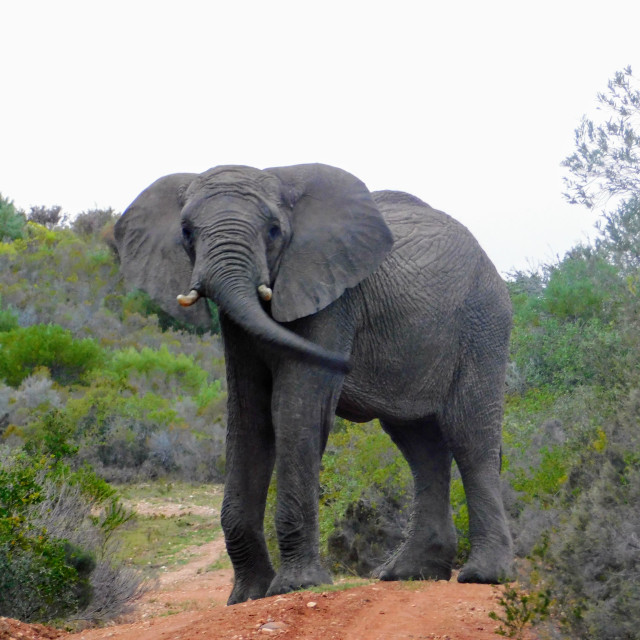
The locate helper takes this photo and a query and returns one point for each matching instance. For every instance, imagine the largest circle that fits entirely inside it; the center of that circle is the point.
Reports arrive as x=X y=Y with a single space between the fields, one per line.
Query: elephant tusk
x=189 y=299
x=265 y=292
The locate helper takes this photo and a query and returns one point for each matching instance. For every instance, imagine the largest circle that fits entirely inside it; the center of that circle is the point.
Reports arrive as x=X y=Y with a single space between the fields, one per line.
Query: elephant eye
x=187 y=237
x=274 y=232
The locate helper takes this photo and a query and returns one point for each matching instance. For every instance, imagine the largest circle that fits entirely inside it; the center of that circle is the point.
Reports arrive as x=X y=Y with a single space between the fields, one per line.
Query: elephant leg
x=474 y=432
x=250 y=455
x=430 y=546
x=304 y=402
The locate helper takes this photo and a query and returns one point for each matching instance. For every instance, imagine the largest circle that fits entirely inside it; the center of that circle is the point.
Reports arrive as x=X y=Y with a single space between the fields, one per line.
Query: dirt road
x=189 y=604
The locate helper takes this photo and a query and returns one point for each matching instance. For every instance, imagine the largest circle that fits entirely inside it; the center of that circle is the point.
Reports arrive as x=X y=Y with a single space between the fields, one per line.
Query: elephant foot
x=407 y=564
x=288 y=580
x=254 y=589
x=487 y=569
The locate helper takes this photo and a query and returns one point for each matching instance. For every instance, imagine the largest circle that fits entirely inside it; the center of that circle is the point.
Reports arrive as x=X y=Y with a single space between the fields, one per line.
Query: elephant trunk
x=237 y=296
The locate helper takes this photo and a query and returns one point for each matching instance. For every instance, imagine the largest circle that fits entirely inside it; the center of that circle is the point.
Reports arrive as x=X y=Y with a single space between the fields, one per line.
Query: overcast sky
x=469 y=105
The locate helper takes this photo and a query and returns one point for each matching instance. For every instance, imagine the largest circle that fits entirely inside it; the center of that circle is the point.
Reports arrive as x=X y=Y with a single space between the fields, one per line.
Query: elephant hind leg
x=473 y=426
x=430 y=546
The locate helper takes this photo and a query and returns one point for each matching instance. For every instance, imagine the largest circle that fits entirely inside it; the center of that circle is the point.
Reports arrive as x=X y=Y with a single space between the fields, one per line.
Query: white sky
x=469 y=105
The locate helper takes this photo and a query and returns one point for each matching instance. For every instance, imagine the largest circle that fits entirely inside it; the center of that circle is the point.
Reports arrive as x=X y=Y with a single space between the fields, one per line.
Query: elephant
x=335 y=300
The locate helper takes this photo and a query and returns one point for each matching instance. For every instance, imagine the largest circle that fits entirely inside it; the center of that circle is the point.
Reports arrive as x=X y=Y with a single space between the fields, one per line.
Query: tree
x=46 y=216
x=606 y=162
x=12 y=220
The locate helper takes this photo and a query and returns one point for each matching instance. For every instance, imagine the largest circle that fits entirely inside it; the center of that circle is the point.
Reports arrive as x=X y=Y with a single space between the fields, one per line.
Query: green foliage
x=160 y=364
x=590 y=561
x=620 y=239
x=144 y=411
x=460 y=520
x=12 y=222
x=40 y=582
x=520 y=610
x=542 y=481
x=8 y=319
x=574 y=480
x=44 y=573
x=582 y=287
x=25 y=349
x=138 y=301
x=52 y=438
x=606 y=160
x=131 y=433
x=360 y=464
x=565 y=323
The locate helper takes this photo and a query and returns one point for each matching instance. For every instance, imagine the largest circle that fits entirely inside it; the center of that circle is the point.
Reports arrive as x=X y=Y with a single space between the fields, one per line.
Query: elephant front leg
x=250 y=456
x=242 y=522
x=304 y=407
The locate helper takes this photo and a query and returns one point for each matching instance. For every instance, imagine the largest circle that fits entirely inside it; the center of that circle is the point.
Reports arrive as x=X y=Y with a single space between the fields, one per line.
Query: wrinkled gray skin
x=382 y=308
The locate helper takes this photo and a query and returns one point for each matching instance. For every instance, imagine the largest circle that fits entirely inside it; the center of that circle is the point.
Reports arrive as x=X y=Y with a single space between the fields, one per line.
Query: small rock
x=272 y=627
x=312 y=605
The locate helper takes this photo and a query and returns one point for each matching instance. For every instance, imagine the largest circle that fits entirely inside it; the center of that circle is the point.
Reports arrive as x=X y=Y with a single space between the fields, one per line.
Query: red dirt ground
x=188 y=603
x=193 y=608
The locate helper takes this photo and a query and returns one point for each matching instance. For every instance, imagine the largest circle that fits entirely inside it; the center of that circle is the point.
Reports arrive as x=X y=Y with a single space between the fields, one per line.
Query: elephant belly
x=404 y=380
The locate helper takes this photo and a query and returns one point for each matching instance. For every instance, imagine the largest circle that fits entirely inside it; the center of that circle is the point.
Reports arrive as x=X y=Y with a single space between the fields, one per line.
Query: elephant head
x=268 y=247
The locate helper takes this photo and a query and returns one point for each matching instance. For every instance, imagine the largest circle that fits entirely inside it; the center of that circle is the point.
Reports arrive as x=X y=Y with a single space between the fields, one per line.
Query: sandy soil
x=189 y=604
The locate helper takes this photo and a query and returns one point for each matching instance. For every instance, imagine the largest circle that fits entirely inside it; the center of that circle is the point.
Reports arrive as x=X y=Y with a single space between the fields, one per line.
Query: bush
x=38 y=582
x=25 y=349
x=130 y=433
x=138 y=301
x=591 y=559
x=366 y=489
x=566 y=331
x=8 y=319
x=12 y=222
x=93 y=221
x=48 y=217
x=161 y=369
x=56 y=534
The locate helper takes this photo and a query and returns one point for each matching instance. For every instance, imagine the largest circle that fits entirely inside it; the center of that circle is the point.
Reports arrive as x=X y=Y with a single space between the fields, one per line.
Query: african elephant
x=335 y=300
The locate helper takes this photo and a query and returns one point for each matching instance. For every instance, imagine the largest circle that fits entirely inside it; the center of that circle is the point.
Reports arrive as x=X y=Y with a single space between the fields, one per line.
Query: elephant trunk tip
x=187 y=300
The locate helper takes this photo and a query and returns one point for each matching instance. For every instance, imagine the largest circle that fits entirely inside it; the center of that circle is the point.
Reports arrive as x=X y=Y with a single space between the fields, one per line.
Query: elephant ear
x=338 y=239
x=149 y=242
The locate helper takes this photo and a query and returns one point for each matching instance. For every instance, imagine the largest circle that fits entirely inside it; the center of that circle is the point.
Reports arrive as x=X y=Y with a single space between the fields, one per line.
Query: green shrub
x=38 y=581
x=8 y=319
x=591 y=559
x=37 y=578
x=56 y=528
x=12 y=222
x=161 y=367
x=520 y=610
x=460 y=520
x=360 y=465
x=566 y=330
x=130 y=433
x=583 y=286
x=25 y=349
x=138 y=301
